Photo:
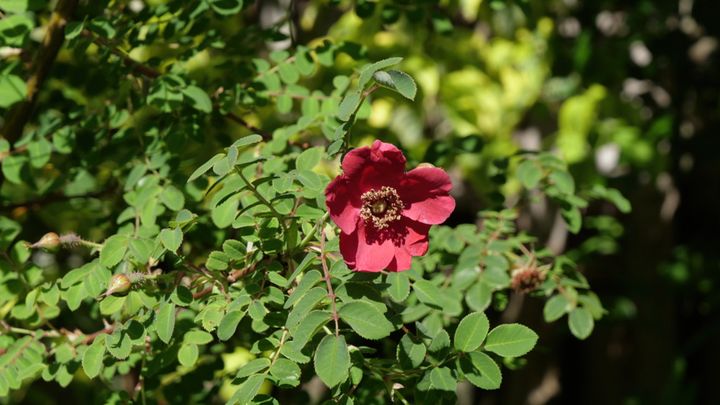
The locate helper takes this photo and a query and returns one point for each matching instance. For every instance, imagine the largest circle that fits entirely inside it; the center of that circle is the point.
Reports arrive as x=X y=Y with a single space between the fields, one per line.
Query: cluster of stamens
x=381 y=207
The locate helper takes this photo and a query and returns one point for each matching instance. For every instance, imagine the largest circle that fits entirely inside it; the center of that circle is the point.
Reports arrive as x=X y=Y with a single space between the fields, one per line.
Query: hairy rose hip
x=385 y=213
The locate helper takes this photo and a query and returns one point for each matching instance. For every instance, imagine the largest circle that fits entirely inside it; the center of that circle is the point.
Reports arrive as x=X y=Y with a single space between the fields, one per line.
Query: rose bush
x=168 y=176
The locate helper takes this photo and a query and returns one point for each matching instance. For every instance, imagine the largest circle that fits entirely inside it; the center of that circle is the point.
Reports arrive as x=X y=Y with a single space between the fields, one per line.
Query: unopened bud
x=50 y=242
x=119 y=285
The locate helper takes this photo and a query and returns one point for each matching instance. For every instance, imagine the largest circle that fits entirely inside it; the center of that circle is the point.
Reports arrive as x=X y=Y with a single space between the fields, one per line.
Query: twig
x=152 y=73
x=331 y=293
x=52 y=42
x=263 y=200
x=282 y=342
x=311 y=235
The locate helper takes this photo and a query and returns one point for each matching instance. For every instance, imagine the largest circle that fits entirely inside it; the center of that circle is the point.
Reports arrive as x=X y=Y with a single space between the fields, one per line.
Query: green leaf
x=12 y=167
x=248 y=390
x=442 y=379
x=581 y=322
x=12 y=90
x=284 y=103
x=172 y=198
x=188 y=354
x=113 y=250
x=171 y=238
x=367 y=71
x=427 y=292
x=349 y=105
x=307 y=282
x=246 y=141
x=73 y=29
x=471 y=332
x=111 y=304
x=198 y=98
x=286 y=372
x=332 y=360
x=479 y=296
x=40 y=152
x=410 y=353
x=305 y=305
x=197 y=337
x=229 y=324
x=311 y=180
x=555 y=308
x=252 y=367
x=511 y=340
x=307 y=327
x=165 y=321
x=563 y=181
x=529 y=173
x=399 y=288
x=398 y=81
x=309 y=159
x=481 y=370
x=573 y=218
x=288 y=73
x=440 y=343
x=226 y=8
x=205 y=167
x=119 y=344
x=366 y=320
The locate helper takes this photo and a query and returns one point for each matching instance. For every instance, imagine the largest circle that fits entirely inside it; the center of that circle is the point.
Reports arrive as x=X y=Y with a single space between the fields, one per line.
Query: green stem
x=331 y=293
x=280 y=346
x=263 y=200
x=311 y=235
x=94 y=245
x=349 y=124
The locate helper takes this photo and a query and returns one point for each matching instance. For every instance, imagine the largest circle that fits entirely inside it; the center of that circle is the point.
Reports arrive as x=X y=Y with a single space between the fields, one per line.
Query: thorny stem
x=331 y=293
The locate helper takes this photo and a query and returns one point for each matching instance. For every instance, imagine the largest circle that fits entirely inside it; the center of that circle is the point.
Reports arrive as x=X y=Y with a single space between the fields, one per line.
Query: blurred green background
x=626 y=92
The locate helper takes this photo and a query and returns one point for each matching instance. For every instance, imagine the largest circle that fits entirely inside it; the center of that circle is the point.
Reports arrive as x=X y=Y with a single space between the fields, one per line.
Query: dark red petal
x=348 y=248
x=377 y=165
x=371 y=254
x=415 y=244
x=424 y=192
x=343 y=202
x=416 y=241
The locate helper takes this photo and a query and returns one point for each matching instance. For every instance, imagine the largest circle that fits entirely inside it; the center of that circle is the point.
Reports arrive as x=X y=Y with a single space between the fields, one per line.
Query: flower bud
x=50 y=242
x=119 y=285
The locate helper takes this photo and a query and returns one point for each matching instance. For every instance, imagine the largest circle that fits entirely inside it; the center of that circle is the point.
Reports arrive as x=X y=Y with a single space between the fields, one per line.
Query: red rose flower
x=385 y=213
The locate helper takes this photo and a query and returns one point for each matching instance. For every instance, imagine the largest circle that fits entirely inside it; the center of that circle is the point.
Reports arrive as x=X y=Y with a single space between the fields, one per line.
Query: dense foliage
x=165 y=234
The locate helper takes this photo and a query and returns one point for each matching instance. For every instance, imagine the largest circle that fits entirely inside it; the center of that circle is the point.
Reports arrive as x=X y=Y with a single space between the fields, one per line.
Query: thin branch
x=151 y=73
x=282 y=342
x=19 y=115
x=331 y=293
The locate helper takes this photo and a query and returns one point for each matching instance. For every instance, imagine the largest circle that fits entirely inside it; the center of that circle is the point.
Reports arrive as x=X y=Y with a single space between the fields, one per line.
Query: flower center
x=381 y=207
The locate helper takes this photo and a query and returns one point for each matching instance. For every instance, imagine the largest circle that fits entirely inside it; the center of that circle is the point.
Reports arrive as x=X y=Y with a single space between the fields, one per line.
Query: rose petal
x=364 y=255
x=343 y=202
x=381 y=164
x=414 y=244
x=348 y=248
x=424 y=192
